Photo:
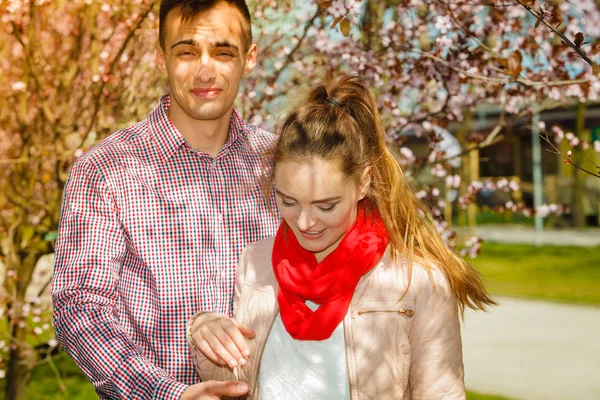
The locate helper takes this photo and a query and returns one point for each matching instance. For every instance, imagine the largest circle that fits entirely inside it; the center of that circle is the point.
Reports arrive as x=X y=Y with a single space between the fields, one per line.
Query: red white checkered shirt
x=150 y=233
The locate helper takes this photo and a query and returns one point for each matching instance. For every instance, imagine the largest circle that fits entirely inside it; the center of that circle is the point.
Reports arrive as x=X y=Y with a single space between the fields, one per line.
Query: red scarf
x=330 y=283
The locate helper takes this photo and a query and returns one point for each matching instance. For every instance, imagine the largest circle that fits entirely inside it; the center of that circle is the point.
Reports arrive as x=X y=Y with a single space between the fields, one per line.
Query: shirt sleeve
x=90 y=250
x=205 y=368
x=436 y=370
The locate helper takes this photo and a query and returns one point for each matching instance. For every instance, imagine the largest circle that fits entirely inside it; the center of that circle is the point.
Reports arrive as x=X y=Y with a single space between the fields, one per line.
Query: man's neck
x=208 y=136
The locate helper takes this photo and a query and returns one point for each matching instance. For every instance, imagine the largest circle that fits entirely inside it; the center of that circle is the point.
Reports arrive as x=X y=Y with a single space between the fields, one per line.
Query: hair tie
x=332 y=101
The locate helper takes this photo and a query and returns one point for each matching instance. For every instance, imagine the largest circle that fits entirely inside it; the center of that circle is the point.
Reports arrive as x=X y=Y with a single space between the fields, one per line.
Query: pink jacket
x=396 y=347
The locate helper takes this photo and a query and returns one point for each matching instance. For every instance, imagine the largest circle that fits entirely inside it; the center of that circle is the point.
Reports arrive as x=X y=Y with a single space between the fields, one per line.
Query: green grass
x=570 y=274
x=479 y=396
x=45 y=386
x=486 y=216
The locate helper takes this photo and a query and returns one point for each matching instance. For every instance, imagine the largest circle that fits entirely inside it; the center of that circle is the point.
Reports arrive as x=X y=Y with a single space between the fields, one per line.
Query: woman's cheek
x=288 y=214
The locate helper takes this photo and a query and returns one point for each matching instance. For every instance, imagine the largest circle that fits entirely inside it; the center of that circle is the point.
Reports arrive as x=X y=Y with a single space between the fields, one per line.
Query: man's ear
x=160 y=59
x=250 y=59
x=365 y=183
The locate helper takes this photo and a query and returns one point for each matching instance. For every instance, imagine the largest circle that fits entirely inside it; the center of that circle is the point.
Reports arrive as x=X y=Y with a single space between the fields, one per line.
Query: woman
x=356 y=297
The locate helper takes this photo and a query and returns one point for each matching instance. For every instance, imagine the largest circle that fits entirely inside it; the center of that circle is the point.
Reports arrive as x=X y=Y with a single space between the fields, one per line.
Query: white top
x=303 y=369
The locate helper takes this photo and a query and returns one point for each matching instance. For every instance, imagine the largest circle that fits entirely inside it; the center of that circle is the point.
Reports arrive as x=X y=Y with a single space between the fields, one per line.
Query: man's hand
x=213 y=390
x=220 y=339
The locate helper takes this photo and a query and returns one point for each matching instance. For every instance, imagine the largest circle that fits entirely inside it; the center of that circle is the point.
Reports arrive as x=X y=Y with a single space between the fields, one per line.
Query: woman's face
x=318 y=202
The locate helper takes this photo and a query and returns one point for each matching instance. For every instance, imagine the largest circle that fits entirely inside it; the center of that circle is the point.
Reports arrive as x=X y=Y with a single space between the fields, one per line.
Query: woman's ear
x=365 y=183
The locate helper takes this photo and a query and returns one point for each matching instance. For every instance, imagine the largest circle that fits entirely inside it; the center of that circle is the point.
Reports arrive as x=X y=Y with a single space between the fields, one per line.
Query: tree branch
x=480 y=77
x=565 y=158
x=99 y=96
x=288 y=59
x=568 y=41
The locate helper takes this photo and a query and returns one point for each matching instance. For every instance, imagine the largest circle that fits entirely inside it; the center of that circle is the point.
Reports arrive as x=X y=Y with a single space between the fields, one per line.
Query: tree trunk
x=20 y=365
x=22 y=356
x=578 y=188
x=465 y=165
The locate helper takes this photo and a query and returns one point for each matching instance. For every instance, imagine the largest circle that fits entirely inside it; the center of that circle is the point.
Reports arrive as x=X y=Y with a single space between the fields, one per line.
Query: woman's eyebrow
x=326 y=200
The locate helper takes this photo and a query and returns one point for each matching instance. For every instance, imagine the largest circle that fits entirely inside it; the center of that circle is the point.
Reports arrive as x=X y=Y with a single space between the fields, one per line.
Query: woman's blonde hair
x=338 y=120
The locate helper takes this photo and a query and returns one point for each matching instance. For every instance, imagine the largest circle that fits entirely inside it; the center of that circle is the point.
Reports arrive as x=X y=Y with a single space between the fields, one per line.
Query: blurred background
x=491 y=106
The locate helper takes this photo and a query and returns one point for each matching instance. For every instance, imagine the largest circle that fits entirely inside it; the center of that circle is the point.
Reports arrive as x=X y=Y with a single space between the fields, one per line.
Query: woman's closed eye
x=288 y=203
x=328 y=207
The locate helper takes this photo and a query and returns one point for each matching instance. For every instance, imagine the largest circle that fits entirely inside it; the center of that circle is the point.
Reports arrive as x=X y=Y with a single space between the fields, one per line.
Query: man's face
x=205 y=59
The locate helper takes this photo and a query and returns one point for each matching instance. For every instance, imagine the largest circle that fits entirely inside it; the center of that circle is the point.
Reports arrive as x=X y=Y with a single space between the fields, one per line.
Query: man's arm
x=89 y=252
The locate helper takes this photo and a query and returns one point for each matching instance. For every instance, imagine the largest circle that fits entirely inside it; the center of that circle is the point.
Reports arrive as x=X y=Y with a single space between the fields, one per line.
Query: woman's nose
x=305 y=221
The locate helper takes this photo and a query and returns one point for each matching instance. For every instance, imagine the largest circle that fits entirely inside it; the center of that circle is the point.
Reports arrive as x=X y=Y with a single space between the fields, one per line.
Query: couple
x=350 y=294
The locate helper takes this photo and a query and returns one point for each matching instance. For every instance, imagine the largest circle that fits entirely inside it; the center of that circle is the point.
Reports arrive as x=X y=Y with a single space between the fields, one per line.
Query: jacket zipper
x=348 y=366
x=260 y=353
x=402 y=311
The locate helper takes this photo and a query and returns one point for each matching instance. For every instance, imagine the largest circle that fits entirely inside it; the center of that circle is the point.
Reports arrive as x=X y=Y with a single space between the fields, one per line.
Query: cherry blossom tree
x=75 y=71
x=72 y=72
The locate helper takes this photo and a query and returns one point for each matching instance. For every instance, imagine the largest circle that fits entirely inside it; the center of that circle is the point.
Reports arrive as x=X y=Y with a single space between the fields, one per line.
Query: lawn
x=570 y=274
x=45 y=386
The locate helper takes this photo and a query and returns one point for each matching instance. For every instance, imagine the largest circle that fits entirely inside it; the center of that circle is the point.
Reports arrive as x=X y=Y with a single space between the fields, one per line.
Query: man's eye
x=286 y=204
x=185 y=53
x=224 y=55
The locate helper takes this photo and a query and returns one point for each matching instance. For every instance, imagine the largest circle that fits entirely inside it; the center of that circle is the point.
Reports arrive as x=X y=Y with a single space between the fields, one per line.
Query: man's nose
x=205 y=72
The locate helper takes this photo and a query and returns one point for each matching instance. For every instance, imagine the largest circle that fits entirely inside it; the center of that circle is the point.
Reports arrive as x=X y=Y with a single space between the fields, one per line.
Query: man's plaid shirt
x=150 y=233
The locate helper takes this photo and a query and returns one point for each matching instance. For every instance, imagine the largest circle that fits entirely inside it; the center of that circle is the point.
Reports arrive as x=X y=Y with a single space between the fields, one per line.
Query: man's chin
x=212 y=113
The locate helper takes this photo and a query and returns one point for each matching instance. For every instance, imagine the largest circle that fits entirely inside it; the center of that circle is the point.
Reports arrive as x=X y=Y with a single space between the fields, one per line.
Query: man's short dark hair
x=191 y=8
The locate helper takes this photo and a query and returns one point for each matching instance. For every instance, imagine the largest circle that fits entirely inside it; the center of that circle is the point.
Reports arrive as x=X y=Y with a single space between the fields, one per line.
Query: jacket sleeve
x=436 y=370
x=89 y=252
x=206 y=369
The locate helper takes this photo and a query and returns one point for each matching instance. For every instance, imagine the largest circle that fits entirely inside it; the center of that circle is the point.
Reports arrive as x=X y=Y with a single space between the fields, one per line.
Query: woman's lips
x=312 y=235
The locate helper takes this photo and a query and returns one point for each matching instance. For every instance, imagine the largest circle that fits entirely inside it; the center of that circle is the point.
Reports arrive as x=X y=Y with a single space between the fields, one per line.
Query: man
x=155 y=217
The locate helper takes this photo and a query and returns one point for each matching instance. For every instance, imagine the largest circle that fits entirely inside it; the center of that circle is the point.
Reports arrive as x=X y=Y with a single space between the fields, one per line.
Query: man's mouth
x=206 y=92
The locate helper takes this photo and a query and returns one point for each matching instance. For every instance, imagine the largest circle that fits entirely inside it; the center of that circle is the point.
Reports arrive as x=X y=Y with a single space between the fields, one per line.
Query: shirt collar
x=170 y=140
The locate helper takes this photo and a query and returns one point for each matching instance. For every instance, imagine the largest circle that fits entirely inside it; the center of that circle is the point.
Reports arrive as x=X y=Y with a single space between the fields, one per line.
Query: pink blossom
x=18 y=86
x=444 y=41
x=443 y=24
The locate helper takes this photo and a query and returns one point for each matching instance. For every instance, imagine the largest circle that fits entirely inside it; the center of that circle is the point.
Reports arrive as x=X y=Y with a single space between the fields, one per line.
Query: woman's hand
x=220 y=339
